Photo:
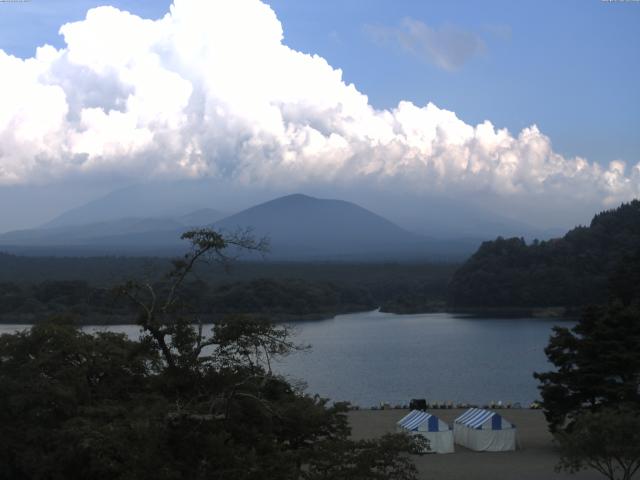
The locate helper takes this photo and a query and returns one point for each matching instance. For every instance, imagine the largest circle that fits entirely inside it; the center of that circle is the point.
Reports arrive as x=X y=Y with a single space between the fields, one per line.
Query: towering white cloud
x=212 y=90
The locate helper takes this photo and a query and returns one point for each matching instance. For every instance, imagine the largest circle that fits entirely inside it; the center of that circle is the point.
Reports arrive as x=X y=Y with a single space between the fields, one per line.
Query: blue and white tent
x=484 y=431
x=429 y=426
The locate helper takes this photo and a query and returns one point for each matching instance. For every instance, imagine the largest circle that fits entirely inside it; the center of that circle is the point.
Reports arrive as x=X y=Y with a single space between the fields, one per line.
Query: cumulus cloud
x=211 y=90
x=447 y=47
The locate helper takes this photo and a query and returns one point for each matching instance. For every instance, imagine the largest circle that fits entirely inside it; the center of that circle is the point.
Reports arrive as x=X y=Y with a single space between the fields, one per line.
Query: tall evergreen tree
x=597 y=364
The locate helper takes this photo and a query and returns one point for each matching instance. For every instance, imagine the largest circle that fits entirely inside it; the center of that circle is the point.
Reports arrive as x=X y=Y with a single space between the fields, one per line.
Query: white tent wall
x=485 y=440
x=439 y=442
x=485 y=431
x=438 y=433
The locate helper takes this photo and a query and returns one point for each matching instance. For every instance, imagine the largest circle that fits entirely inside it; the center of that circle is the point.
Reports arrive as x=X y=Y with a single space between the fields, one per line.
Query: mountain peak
x=301 y=225
x=295 y=198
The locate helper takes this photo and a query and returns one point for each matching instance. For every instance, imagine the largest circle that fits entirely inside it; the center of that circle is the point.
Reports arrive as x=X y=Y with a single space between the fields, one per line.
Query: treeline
x=427 y=294
x=25 y=302
x=285 y=297
x=112 y=270
x=276 y=299
x=104 y=270
x=34 y=288
x=572 y=271
x=569 y=272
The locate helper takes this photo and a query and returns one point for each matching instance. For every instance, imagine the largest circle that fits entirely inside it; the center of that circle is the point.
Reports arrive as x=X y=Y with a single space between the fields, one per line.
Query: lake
x=371 y=357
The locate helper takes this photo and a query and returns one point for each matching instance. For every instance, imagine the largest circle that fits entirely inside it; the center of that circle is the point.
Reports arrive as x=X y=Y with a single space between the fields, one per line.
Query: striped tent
x=484 y=431
x=429 y=426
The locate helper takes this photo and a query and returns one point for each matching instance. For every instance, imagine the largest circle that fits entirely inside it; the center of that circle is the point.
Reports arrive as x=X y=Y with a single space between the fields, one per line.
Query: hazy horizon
x=434 y=216
x=229 y=104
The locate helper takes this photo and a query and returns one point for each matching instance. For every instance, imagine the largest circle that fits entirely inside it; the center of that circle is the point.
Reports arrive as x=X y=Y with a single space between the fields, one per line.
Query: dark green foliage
x=570 y=271
x=597 y=364
x=297 y=297
x=103 y=270
x=112 y=270
x=261 y=296
x=624 y=282
x=607 y=441
x=592 y=399
x=64 y=292
x=426 y=294
x=74 y=405
x=179 y=404
x=364 y=459
x=11 y=297
x=279 y=291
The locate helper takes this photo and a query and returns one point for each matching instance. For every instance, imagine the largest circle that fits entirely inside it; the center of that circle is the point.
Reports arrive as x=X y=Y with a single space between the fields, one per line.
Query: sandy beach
x=534 y=461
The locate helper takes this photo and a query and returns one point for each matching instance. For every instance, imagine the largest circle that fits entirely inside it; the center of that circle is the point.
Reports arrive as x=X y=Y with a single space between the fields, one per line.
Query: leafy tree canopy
x=592 y=399
x=179 y=403
x=607 y=441
x=597 y=364
x=569 y=271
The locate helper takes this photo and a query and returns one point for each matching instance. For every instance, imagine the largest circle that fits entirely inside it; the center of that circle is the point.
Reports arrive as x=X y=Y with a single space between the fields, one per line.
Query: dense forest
x=34 y=288
x=568 y=272
x=104 y=305
x=571 y=271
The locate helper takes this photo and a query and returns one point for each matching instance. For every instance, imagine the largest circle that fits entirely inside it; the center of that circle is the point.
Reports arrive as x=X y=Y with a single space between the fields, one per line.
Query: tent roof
x=416 y=418
x=477 y=417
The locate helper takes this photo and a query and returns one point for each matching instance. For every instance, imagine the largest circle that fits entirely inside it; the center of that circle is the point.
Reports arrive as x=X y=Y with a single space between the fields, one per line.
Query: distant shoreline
x=561 y=313
x=97 y=319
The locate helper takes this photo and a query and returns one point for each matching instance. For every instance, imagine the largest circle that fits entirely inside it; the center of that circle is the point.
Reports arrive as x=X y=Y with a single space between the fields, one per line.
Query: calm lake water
x=371 y=357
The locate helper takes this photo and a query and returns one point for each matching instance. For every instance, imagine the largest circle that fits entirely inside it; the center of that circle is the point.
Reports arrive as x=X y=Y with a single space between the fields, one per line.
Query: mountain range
x=298 y=226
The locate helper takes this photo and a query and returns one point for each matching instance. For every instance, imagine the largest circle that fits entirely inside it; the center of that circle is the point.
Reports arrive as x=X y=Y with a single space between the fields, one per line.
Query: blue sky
x=571 y=67
x=211 y=93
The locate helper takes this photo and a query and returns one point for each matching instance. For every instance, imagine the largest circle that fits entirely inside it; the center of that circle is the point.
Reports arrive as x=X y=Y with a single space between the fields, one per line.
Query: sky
x=517 y=106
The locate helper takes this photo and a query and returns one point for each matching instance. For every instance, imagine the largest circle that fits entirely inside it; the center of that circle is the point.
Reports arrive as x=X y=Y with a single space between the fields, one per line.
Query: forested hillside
x=275 y=299
x=34 y=288
x=574 y=270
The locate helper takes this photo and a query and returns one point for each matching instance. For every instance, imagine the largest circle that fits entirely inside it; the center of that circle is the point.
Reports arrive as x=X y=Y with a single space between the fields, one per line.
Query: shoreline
x=507 y=313
x=561 y=313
